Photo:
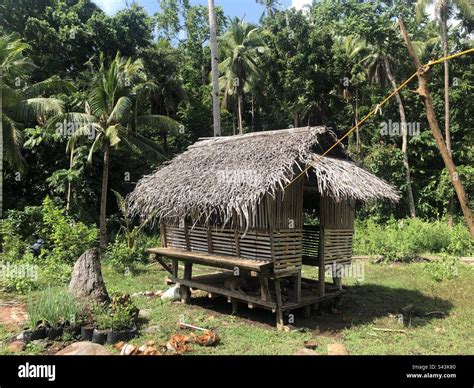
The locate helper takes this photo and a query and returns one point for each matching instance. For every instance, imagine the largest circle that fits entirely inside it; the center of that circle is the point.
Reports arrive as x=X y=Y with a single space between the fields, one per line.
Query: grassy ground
x=369 y=305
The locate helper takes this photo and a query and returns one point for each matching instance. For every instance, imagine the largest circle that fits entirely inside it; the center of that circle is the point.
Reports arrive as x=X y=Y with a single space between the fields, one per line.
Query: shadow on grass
x=363 y=304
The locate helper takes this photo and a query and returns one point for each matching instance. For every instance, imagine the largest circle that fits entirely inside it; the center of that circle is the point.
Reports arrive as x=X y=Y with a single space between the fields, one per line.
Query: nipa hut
x=241 y=204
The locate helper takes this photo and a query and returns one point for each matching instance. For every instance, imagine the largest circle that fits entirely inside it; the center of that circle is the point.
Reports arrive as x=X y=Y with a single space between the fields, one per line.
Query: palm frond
x=120 y=111
x=52 y=85
x=32 y=109
x=12 y=143
x=158 y=121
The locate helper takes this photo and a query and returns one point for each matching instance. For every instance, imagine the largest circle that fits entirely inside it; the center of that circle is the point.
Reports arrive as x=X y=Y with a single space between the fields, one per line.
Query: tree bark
x=424 y=93
x=1 y=149
x=69 y=184
x=356 y=121
x=447 y=118
x=216 y=106
x=403 y=123
x=239 y=103
x=86 y=279
x=103 y=199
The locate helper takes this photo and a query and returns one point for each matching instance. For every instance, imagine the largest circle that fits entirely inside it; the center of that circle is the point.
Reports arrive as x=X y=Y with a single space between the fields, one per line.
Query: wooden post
x=264 y=290
x=321 y=287
x=297 y=286
x=185 y=291
x=163 y=235
x=279 y=310
x=175 y=268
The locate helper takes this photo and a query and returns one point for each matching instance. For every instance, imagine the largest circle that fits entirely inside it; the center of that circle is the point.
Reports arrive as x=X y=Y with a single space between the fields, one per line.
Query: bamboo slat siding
x=311 y=240
x=254 y=244
x=287 y=250
x=338 y=246
x=337 y=215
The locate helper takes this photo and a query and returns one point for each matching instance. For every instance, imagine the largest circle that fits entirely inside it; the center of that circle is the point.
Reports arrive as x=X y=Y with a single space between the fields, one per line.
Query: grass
x=372 y=303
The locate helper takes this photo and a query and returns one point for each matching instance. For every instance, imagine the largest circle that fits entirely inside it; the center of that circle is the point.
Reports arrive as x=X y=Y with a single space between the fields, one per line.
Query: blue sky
x=249 y=8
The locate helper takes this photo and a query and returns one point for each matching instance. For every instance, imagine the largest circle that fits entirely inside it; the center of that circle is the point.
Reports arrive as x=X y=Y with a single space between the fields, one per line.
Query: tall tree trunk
x=1 y=148
x=69 y=183
x=447 y=118
x=403 y=122
x=239 y=104
x=356 y=121
x=424 y=93
x=216 y=106
x=103 y=198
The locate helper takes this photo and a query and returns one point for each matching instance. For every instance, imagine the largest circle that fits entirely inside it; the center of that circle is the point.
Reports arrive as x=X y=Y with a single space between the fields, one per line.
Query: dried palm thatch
x=222 y=178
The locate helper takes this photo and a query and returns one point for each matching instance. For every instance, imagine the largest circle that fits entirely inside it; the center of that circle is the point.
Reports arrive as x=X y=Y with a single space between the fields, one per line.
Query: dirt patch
x=12 y=314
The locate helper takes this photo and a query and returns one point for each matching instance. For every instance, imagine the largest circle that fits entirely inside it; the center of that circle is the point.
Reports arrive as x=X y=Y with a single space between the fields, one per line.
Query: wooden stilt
x=307 y=312
x=279 y=311
x=185 y=291
x=297 y=286
x=322 y=269
x=264 y=290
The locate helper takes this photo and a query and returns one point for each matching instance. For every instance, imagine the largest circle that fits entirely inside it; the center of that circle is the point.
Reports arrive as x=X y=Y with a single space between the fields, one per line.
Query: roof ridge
x=207 y=141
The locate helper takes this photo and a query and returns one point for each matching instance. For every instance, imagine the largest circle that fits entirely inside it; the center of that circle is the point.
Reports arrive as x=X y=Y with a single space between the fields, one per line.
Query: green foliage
x=53 y=306
x=120 y=314
x=445 y=268
x=407 y=239
x=64 y=241
x=66 y=238
x=121 y=257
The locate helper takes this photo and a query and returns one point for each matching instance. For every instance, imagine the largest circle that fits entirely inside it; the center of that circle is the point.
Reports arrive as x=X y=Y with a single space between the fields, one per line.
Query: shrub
x=445 y=268
x=65 y=240
x=122 y=258
x=53 y=306
x=409 y=238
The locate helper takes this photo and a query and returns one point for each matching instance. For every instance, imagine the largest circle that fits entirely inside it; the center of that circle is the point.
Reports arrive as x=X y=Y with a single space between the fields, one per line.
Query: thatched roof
x=230 y=175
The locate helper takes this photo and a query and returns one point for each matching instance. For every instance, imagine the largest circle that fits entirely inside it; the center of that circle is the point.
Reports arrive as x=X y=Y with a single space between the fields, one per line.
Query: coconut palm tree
x=444 y=10
x=216 y=107
x=110 y=117
x=379 y=64
x=271 y=6
x=352 y=48
x=20 y=103
x=241 y=46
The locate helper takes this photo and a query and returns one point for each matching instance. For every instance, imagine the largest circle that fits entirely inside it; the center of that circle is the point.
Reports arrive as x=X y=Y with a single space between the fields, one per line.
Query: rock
x=84 y=349
x=171 y=294
x=17 y=346
x=152 y=329
x=310 y=344
x=129 y=350
x=86 y=279
x=306 y=352
x=144 y=313
x=337 y=350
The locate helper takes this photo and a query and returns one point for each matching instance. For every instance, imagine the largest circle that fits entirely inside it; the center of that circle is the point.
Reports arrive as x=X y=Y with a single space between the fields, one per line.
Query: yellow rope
x=373 y=111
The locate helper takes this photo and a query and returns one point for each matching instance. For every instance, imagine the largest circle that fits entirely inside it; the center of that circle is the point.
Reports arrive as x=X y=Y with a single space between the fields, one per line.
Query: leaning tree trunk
x=447 y=118
x=86 y=281
x=424 y=93
x=403 y=122
x=216 y=106
x=103 y=198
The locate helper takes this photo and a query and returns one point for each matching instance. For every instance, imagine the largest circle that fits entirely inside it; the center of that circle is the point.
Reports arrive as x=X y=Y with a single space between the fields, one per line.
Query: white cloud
x=299 y=4
x=110 y=6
